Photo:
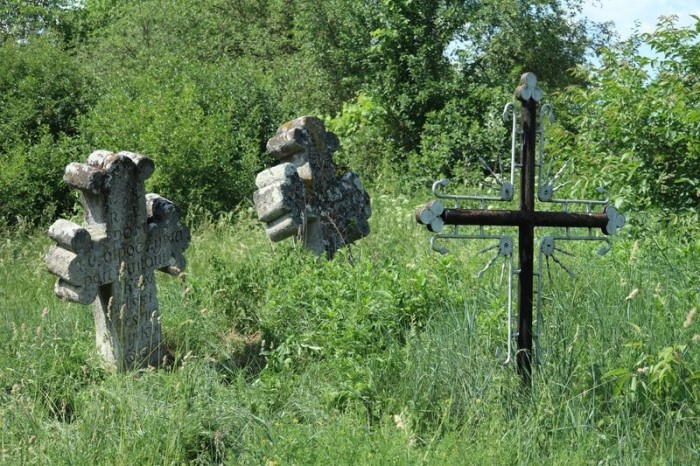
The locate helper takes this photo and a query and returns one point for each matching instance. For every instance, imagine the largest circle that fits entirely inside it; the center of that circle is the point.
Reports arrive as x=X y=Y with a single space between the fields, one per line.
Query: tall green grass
x=386 y=355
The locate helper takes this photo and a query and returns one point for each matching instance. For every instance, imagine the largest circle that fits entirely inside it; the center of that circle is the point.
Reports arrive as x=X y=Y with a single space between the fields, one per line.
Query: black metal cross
x=526 y=219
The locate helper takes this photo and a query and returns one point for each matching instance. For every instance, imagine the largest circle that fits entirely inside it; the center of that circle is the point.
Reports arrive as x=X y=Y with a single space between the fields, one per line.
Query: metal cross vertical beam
x=526 y=232
x=527 y=218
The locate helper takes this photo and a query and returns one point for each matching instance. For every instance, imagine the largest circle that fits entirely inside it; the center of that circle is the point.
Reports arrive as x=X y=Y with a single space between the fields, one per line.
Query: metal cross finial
x=435 y=216
x=528 y=88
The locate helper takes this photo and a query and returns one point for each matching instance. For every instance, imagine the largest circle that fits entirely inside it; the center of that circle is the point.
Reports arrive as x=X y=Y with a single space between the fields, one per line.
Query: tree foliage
x=440 y=71
x=43 y=90
x=20 y=20
x=412 y=74
x=505 y=38
x=637 y=126
x=413 y=89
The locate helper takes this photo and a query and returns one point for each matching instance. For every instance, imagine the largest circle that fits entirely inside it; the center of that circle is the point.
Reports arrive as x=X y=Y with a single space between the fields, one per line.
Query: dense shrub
x=42 y=89
x=204 y=126
x=31 y=181
x=456 y=137
x=364 y=145
x=637 y=126
x=42 y=93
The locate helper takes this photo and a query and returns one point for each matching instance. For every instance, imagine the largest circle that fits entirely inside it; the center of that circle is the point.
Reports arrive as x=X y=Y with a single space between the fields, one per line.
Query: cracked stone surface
x=303 y=195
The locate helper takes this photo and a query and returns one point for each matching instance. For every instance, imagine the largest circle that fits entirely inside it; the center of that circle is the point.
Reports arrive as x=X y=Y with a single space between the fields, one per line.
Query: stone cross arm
x=84 y=261
x=85 y=258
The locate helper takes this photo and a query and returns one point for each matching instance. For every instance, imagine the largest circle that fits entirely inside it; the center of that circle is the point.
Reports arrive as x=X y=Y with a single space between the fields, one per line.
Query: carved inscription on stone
x=111 y=260
x=304 y=195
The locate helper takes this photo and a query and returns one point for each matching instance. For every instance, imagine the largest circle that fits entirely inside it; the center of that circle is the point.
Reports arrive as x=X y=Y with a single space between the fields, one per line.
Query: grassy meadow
x=385 y=355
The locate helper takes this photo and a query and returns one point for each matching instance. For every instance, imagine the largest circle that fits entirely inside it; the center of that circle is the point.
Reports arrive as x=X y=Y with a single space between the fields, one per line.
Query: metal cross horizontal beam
x=517 y=218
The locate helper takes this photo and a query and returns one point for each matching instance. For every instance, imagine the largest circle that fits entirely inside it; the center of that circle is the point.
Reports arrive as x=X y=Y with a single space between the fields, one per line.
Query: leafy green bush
x=637 y=126
x=364 y=145
x=42 y=91
x=361 y=308
x=456 y=137
x=31 y=181
x=204 y=126
x=668 y=377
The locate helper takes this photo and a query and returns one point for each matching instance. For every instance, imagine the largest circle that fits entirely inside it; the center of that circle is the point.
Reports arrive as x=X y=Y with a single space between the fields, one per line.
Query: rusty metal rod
x=526 y=239
x=517 y=218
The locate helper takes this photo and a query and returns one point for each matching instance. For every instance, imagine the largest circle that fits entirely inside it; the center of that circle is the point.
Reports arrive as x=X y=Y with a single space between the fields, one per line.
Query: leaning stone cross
x=304 y=196
x=111 y=261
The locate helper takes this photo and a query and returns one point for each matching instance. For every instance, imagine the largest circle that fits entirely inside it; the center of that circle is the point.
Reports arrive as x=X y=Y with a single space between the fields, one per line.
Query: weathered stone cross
x=304 y=195
x=435 y=216
x=111 y=261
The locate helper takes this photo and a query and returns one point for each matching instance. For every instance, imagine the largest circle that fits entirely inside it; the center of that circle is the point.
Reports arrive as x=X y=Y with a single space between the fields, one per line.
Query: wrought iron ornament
x=531 y=157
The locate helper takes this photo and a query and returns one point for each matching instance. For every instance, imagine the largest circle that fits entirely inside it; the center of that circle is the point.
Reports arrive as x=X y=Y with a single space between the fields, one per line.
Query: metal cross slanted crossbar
x=435 y=216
